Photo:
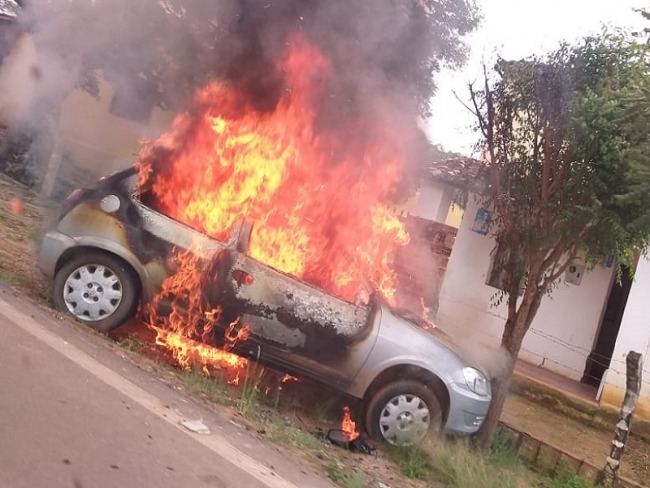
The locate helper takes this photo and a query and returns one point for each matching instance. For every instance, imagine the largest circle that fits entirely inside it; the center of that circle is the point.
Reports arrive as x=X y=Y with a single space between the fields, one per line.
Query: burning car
x=111 y=251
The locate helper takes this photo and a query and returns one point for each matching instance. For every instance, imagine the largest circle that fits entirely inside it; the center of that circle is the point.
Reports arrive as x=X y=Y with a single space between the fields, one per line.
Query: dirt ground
x=587 y=442
x=21 y=220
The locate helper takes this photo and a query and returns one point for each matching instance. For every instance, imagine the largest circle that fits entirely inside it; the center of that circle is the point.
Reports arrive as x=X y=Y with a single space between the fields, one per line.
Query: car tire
x=99 y=289
x=403 y=413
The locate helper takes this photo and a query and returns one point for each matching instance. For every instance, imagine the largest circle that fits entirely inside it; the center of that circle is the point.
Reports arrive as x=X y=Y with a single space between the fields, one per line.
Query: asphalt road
x=75 y=413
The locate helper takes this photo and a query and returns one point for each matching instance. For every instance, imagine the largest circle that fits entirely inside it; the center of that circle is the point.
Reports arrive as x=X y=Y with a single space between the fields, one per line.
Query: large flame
x=314 y=190
x=189 y=329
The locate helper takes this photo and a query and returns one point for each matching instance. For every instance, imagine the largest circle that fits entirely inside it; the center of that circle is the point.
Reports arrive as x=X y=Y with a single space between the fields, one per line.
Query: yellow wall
x=99 y=141
x=17 y=81
x=454 y=216
x=95 y=139
x=614 y=396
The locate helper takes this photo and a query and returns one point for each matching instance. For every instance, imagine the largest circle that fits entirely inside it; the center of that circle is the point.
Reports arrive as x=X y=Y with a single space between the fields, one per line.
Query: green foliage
x=503 y=452
x=279 y=431
x=458 y=465
x=413 y=461
x=569 y=155
x=211 y=388
x=567 y=480
x=567 y=138
x=250 y=389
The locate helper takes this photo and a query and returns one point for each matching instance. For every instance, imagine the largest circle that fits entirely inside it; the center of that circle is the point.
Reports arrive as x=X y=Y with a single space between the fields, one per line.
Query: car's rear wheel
x=403 y=413
x=98 y=289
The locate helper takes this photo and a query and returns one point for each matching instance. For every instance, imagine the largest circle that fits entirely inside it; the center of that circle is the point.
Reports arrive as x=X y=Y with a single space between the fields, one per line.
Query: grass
x=8 y=277
x=211 y=388
x=567 y=480
x=456 y=464
x=44 y=298
x=250 y=389
x=343 y=477
x=278 y=431
x=321 y=412
x=413 y=461
x=503 y=451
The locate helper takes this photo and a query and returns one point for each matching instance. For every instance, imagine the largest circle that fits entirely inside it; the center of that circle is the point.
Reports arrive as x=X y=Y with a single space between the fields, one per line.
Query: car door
x=299 y=327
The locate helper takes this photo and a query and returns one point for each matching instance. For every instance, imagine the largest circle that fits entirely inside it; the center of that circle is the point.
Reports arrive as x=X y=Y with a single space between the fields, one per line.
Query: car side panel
x=294 y=322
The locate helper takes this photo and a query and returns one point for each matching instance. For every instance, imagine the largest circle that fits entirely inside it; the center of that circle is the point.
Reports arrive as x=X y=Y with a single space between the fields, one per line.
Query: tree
x=567 y=150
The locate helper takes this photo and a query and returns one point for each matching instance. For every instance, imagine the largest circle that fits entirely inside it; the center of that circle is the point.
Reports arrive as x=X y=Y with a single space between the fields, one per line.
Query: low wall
x=547 y=457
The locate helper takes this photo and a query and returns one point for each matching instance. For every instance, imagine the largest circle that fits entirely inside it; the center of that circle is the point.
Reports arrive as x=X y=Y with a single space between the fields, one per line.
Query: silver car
x=109 y=251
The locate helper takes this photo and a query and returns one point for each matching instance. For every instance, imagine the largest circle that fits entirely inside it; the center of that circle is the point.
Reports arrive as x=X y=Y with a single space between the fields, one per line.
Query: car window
x=250 y=241
x=146 y=198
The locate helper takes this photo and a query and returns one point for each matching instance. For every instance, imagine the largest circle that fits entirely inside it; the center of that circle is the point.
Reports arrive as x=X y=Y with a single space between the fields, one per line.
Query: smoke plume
x=383 y=53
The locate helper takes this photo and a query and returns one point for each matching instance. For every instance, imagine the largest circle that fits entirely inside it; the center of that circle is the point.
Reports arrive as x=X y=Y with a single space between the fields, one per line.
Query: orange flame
x=349 y=426
x=190 y=325
x=188 y=352
x=315 y=196
x=16 y=206
x=314 y=189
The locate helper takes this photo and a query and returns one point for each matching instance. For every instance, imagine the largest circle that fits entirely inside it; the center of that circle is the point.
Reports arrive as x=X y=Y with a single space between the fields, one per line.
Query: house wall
x=17 y=82
x=564 y=330
x=433 y=202
x=634 y=335
x=455 y=216
x=91 y=136
x=100 y=141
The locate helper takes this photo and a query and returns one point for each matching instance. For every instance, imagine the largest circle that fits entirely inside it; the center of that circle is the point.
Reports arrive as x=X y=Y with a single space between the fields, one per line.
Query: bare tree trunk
x=500 y=386
x=46 y=147
x=514 y=331
x=52 y=168
x=501 y=383
x=633 y=387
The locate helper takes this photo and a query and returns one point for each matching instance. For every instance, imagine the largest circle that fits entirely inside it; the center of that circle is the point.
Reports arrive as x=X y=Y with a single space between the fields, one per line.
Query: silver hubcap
x=404 y=420
x=92 y=292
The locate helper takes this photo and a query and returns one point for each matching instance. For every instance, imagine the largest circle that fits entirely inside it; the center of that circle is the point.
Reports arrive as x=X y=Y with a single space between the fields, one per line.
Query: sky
x=515 y=29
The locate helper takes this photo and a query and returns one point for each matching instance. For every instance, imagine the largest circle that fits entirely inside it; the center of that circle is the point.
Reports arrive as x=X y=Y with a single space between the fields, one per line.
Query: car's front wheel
x=403 y=413
x=98 y=289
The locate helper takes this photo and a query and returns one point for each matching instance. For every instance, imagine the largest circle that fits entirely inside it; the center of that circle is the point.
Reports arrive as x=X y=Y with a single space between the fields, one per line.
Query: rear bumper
x=54 y=244
x=467 y=410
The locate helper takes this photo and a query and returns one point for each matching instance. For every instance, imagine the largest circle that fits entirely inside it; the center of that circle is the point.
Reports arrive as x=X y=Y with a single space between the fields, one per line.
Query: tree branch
x=473 y=112
x=481 y=120
x=494 y=168
x=556 y=272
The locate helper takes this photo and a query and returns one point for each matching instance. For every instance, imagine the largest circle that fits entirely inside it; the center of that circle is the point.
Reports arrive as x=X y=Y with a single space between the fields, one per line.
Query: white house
x=582 y=331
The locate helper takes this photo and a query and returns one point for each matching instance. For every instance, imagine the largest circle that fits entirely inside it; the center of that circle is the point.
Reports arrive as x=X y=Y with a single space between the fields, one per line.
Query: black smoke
x=384 y=53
